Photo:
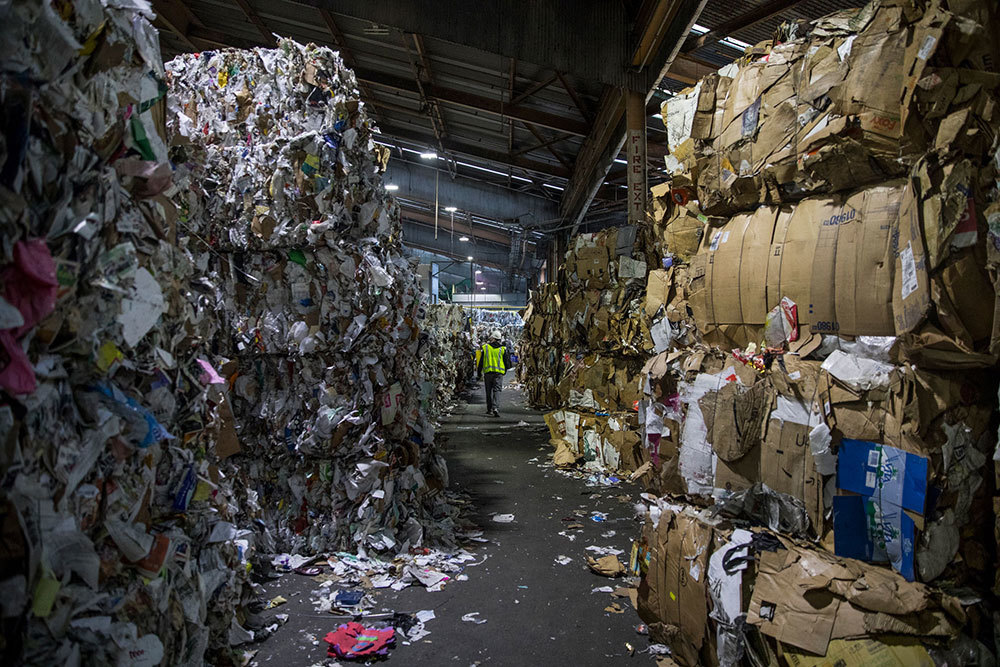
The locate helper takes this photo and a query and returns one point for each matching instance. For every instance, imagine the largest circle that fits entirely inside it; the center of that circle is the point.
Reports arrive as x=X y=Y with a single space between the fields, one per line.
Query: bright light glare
x=450 y=209
x=658 y=116
x=463 y=238
x=699 y=29
x=478 y=271
x=391 y=187
x=735 y=43
x=470 y=258
x=429 y=155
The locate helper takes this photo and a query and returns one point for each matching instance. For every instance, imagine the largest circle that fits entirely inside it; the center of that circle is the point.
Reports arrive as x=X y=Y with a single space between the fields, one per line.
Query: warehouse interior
x=586 y=331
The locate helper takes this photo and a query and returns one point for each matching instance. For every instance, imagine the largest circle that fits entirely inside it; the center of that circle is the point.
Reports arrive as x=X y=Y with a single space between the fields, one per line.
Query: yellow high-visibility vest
x=493 y=359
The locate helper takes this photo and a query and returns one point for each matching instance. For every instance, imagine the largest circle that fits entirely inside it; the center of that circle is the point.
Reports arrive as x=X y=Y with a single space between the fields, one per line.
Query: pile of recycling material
x=201 y=366
x=280 y=182
x=487 y=320
x=118 y=511
x=821 y=432
x=447 y=356
x=585 y=340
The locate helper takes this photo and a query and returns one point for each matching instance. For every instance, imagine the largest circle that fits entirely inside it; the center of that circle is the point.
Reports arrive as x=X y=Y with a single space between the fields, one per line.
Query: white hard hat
x=495 y=335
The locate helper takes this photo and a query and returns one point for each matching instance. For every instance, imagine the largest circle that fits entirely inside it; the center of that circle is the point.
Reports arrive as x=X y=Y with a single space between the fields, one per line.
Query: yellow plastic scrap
x=107 y=355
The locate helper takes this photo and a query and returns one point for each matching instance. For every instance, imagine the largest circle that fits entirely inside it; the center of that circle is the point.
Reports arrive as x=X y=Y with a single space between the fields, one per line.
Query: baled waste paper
x=210 y=337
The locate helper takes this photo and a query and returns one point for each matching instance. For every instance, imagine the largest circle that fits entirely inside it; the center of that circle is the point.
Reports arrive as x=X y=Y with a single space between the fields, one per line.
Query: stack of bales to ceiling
x=586 y=337
x=280 y=191
x=446 y=355
x=833 y=227
x=119 y=539
x=540 y=347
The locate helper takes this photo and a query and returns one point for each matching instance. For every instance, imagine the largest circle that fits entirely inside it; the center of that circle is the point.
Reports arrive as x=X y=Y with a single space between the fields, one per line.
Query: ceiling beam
x=581 y=107
x=474 y=101
x=480 y=152
x=249 y=12
x=657 y=48
x=487 y=200
x=689 y=70
x=345 y=53
x=587 y=38
x=204 y=37
x=462 y=227
x=737 y=23
x=418 y=232
x=422 y=77
x=548 y=145
x=534 y=89
x=177 y=18
x=544 y=143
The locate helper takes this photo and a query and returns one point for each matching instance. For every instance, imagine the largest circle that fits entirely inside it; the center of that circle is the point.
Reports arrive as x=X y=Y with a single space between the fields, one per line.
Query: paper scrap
x=142 y=308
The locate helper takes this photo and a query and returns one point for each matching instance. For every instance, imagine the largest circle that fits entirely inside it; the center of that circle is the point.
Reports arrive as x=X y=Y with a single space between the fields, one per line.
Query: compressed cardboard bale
x=673 y=597
x=829 y=254
x=830 y=109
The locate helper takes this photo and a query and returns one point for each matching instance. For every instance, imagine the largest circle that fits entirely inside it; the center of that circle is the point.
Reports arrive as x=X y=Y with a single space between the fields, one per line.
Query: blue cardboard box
x=873 y=526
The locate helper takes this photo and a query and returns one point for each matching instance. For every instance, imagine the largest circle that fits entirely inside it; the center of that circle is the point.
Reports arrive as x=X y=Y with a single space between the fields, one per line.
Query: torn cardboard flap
x=805 y=598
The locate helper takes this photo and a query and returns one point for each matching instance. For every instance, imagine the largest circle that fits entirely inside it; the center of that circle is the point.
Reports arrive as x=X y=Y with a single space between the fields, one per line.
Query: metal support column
x=635 y=145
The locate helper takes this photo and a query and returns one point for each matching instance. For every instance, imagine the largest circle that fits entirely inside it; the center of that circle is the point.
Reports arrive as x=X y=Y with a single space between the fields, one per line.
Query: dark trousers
x=494 y=383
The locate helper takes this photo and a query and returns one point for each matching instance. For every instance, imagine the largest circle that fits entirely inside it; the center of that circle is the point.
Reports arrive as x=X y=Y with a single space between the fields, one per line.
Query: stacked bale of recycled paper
x=446 y=355
x=119 y=543
x=597 y=313
x=318 y=358
x=540 y=347
x=828 y=229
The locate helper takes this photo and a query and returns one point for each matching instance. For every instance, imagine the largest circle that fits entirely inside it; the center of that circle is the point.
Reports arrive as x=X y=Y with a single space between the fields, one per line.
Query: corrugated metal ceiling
x=485 y=138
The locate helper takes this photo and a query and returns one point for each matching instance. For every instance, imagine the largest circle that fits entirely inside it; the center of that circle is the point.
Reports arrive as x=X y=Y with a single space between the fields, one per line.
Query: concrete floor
x=537 y=611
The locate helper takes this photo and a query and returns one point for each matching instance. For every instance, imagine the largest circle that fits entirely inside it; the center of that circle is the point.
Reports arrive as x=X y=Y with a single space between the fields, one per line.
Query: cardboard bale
x=829 y=255
x=944 y=301
x=673 y=596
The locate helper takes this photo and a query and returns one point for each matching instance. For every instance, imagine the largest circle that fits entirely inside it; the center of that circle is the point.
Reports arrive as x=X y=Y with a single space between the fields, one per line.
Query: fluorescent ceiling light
x=699 y=29
x=735 y=43
x=463 y=238
x=470 y=258
x=483 y=288
x=391 y=187
x=493 y=171
x=450 y=209
x=620 y=161
x=554 y=187
x=657 y=115
x=429 y=155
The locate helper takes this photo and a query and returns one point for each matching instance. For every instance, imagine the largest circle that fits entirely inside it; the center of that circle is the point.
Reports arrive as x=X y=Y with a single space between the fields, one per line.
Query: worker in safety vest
x=493 y=364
